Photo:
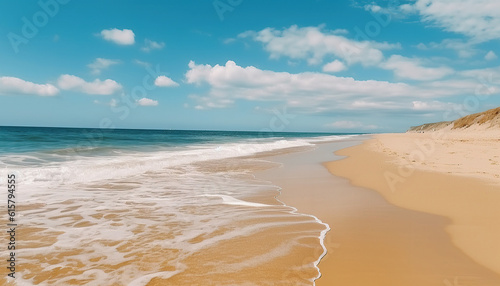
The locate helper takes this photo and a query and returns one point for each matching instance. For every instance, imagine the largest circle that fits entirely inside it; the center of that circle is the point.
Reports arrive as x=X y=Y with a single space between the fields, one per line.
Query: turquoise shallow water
x=33 y=139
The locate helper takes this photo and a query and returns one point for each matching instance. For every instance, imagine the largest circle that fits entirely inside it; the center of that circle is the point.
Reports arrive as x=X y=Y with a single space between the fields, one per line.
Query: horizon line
x=208 y=130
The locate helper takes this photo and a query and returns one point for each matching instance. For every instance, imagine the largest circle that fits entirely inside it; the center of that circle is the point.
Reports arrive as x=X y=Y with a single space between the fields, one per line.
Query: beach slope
x=449 y=169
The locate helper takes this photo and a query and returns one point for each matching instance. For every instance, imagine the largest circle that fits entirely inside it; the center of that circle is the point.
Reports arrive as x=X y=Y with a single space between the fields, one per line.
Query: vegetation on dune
x=491 y=117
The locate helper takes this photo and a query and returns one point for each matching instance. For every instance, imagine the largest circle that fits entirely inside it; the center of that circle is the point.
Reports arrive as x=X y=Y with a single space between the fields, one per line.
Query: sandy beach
x=456 y=179
x=431 y=225
x=402 y=209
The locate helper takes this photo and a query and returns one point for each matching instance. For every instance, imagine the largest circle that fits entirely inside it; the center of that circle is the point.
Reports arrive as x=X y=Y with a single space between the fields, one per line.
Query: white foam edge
x=321 y=236
x=228 y=200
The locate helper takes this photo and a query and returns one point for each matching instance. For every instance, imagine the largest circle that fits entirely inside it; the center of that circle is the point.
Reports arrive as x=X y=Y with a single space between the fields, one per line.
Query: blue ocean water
x=33 y=139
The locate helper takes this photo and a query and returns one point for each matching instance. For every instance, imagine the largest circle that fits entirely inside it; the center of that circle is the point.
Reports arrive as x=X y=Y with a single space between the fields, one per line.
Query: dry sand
x=372 y=242
x=453 y=174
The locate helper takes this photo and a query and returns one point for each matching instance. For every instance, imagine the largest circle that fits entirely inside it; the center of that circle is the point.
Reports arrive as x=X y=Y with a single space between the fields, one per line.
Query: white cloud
x=14 y=85
x=120 y=37
x=164 y=81
x=404 y=67
x=147 y=102
x=463 y=48
x=313 y=44
x=311 y=92
x=71 y=82
x=486 y=81
x=422 y=46
x=142 y=64
x=100 y=64
x=477 y=19
x=484 y=76
x=229 y=41
x=113 y=102
x=433 y=106
x=390 y=11
x=345 y=124
x=304 y=90
x=373 y=8
x=335 y=66
x=490 y=56
x=407 y=8
x=460 y=85
x=150 y=45
x=340 y=32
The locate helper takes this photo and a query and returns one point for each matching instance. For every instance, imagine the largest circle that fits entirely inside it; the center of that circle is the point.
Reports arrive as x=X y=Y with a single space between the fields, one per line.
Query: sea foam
x=114 y=208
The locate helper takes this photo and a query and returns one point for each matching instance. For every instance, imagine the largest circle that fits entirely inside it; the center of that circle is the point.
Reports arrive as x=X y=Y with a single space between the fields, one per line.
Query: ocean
x=156 y=207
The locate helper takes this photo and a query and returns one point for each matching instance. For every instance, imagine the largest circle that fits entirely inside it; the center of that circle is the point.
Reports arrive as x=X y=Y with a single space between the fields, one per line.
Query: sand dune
x=487 y=120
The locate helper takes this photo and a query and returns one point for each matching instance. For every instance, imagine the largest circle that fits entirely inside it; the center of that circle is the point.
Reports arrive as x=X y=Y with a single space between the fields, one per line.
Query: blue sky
x=316 y=65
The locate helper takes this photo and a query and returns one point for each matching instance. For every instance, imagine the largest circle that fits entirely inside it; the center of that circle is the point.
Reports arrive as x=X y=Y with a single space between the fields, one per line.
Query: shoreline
x=321 y=237
x=371 y=240
x=270 y=175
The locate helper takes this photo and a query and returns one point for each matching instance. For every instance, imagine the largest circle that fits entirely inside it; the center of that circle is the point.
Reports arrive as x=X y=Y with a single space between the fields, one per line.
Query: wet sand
x=249 y=239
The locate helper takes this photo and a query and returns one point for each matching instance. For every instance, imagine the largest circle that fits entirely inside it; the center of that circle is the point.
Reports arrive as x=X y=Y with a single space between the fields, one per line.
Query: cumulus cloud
x=373 y=8
x=464 y=49
x=71 y=82
x=14 y=85
x=113 y=102
x=433 y=106
x=146 y=102
x=312 y=92
x=477 y=19
x=100 y=64
x=335 y=66
x=164 y=81
x=150 y=45
x=486 y=80
x=120 y=37
x=315 y=91
x=490 y=56
x=313 y=44
x=142 y=63
x=392 y=10
x=407 y=8
x=404 y=67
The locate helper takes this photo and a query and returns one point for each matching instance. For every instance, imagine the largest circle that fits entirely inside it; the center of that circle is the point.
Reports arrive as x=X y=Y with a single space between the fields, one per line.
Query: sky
x=274 y=65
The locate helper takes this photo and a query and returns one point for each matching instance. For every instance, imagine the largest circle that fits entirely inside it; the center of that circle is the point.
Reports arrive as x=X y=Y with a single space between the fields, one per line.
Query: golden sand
x=372 y=242
x=454 y=177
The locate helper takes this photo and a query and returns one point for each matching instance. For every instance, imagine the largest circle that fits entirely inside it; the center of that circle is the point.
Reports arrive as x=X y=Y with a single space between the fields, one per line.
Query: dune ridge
x=489 y=119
